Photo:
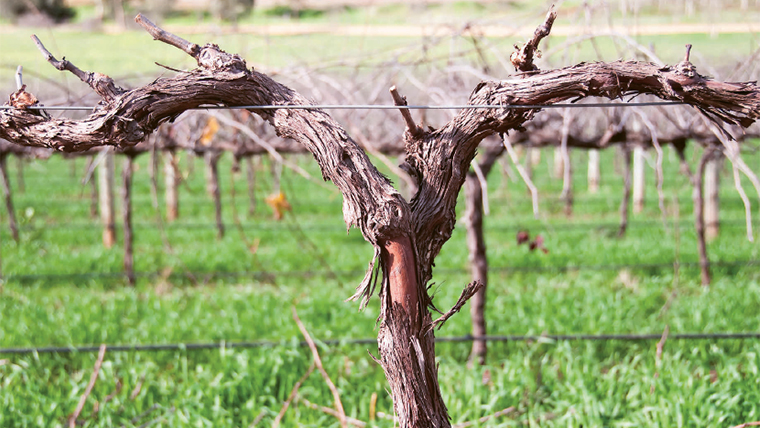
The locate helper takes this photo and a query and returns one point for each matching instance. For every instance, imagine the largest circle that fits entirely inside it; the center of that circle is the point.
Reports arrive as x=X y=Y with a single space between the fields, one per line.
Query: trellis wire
x=635 y=337
x=330 y=228
x=312 y=273
x=388 y=107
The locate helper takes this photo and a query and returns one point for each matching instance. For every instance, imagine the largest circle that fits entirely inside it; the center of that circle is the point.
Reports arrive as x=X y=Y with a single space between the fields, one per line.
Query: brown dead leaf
x=23 y=99
x=279 y=204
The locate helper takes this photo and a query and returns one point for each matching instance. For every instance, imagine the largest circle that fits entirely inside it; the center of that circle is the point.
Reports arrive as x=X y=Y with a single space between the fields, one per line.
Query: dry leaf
x=279 y=204
x=211 y=128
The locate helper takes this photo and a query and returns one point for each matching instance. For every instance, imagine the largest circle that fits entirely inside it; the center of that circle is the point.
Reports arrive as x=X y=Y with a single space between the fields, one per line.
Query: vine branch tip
x=401 y=102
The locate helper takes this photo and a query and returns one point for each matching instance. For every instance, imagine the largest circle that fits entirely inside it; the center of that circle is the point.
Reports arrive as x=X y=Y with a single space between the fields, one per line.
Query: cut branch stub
x=400 y=101
x=172 y=39
x=100 y=83
x=522 y=59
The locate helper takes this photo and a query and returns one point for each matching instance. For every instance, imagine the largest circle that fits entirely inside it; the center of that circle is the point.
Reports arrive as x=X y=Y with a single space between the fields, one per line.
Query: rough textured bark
x=170 y=178
x=626 y=191
x=473 y=219
x=639 y=179
x=12 y=224
x=126 y=209
x=712 y=199
x=211 y=158
x=406 y=236
x=106 y=201
x=593 y=171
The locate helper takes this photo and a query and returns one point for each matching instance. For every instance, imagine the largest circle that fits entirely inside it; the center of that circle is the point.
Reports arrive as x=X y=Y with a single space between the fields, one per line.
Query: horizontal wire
x=333 y=228
x=371 y=341
x=390 y=107
x=312 y=273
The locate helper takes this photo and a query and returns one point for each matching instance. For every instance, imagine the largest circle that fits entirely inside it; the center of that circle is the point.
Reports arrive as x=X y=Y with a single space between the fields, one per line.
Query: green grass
x=699 y=383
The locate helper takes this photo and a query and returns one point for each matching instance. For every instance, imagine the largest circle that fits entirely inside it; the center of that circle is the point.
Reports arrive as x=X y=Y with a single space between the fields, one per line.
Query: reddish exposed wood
x=401 y=276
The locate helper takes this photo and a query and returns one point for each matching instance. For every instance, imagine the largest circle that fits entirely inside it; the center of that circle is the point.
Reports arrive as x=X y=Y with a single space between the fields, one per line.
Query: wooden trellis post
x=473 y=219
x=639 y=178
x=7 y=196
x=712 y=200
x=626 y=190
x=170 y=177
x=20 y=185
x=559 y=163
x=593 y=171
x=105 y=197
x=211 y=158
x=93 y=188
x=250 y=172
x=129 y=264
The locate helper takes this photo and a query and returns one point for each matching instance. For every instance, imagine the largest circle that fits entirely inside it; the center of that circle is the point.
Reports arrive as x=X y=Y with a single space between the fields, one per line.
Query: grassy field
x=52 y=294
